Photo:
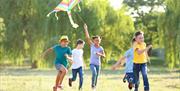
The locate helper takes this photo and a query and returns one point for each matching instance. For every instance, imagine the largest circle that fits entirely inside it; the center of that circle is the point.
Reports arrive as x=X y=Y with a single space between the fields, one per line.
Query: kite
x=66 y=5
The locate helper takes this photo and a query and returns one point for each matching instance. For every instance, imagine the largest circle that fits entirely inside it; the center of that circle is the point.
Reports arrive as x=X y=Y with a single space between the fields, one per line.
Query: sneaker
x=130 y=86
x=93 y=88
x=130 y=80
x=124 y=79
x=70 y=82
x=61 y=87
x=80 y=89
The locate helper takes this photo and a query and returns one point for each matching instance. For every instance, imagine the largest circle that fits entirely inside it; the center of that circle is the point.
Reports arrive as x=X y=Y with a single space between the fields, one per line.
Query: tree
x=28 y=32
x=169 y=26
x=146 y=16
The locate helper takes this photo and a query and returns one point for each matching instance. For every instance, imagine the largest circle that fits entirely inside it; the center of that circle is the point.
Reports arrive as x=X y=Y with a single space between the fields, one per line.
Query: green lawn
x=24 y=79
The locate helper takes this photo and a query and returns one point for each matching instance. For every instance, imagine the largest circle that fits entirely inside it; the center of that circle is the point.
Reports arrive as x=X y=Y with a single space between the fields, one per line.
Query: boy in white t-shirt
x=77 y=66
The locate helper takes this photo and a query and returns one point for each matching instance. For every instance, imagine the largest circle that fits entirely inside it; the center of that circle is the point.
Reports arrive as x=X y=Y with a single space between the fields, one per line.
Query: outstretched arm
x=118 y=63
x=46 y=52
x=87 y=34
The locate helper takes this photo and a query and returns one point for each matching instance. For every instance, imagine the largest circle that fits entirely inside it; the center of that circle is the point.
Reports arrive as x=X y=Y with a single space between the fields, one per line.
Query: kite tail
x=74 y=25
x=56 y=15
x=53 y=11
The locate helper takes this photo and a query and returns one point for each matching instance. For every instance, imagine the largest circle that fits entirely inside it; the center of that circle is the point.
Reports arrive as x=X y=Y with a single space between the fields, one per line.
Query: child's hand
x=42 y=56
x=149 y=46
x=113 y=68
x=71 y=62
x=66 y=55
x=99 y=54
x=85 y=26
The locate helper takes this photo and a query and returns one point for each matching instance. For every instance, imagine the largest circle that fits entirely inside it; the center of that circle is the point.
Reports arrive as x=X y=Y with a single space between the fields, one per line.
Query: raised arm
x=87 y=34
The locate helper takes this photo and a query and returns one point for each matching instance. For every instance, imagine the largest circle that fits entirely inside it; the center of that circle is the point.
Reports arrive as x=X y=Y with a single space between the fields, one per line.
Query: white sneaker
x=93 y=88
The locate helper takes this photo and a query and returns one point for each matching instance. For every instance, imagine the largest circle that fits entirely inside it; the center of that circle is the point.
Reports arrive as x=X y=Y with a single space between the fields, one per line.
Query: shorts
x=130 y=77
x=58 y=66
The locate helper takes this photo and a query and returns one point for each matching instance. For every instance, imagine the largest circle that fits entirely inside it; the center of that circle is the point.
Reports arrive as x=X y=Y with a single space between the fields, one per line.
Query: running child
x=97 y=52
x=77 y=66
x=140 y=60
x=63 y=55
x=129 y=75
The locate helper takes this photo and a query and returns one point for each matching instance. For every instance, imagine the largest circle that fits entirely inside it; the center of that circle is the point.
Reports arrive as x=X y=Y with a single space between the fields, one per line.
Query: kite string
x=82 y=20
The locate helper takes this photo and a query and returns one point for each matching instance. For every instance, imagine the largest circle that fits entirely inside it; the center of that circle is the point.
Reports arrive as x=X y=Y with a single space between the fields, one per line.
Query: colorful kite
x=66 y=5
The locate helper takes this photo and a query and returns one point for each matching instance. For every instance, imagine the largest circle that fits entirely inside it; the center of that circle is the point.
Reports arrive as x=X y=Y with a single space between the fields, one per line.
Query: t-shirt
x=142 y=57
x=77 y=55
x=95 y=59
x=129 y=60
x=60 y=54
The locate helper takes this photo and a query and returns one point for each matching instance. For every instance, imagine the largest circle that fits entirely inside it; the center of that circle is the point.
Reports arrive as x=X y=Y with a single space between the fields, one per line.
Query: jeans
x=95 y=69
x=143 y=68
x=80 y=72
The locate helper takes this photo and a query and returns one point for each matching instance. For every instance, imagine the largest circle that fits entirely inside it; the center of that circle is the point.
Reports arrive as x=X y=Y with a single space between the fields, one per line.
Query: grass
x=25 y=79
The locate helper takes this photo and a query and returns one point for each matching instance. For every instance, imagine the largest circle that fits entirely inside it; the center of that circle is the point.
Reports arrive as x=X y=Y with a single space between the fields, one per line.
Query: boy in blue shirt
x=129 y=75
x=63 y=55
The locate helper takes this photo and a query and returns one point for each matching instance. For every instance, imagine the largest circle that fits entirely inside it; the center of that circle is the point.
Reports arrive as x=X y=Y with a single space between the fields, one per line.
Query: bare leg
x=58 y=78
x=62 y=75
x=57 y=81
x=61 y=78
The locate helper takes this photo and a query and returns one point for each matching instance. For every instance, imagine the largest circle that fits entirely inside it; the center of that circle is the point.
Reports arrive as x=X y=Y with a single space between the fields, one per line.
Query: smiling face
x=81 y=46
x=96 y=40
x=64 y=43
x=140 y=38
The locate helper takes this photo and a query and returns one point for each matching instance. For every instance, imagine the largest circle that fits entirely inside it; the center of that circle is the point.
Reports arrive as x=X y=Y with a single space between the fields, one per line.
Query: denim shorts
x=130 y=77
x=58 y=66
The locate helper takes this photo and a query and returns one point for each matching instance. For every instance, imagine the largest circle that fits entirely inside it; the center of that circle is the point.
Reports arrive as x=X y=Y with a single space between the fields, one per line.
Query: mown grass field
x=25 y=79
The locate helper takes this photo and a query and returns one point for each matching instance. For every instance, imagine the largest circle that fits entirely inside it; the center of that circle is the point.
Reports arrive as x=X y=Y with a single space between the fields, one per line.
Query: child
x=63 y=55
x=140 y=60
x=97 y=52
x=77 y=66
x=129 y=75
